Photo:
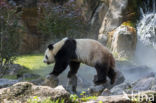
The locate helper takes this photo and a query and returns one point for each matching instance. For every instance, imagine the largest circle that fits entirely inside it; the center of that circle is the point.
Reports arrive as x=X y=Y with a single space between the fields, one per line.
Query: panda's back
x=90 y=51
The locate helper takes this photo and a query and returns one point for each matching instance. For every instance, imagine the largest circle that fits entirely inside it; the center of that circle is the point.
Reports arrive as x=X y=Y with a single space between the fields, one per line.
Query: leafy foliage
x=84 y=97
x=57 y=25
x=9 y=35
x=48 y=100
x=73 y=99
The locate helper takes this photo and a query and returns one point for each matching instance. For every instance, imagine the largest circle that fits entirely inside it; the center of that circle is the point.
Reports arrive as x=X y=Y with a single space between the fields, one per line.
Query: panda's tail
x=111 y=72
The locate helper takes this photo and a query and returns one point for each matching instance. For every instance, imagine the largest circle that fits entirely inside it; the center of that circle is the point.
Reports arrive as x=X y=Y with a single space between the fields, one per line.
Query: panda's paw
x=72 y=84
x=98 y=81
x=51 y=80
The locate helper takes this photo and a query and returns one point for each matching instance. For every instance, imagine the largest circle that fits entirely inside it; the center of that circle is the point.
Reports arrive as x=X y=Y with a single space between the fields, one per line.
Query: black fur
x=112 y=75
x=102 y=72
x=50 y=46
x=64 y=56
x=74 y=66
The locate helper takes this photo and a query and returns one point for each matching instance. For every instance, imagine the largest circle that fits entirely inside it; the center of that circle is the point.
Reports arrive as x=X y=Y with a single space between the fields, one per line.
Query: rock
x=88 y=7
x=99 y=88
x=6 y=82
x=37 y=81
x=123 y=40
x=30 y=76
x=13 y=69
x=113 y=16
x=117 y=12
x=142 y=97
x=23 y=91
x=140 y=69
x=153 y=88
x=134 y=73
x=113 y=99
x=144 y=84
x=106 y=92
x=107 y=15
x=119 y=89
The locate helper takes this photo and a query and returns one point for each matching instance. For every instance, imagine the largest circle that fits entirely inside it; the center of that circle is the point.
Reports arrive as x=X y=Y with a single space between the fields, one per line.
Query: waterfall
x=146 y=28
x=146 y=31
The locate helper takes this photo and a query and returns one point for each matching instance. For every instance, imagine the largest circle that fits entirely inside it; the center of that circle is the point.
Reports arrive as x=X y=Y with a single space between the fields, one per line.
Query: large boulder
x=144 y=84
x=118 y=89
x=113 y=17
x=23 y=91
x=122 y=41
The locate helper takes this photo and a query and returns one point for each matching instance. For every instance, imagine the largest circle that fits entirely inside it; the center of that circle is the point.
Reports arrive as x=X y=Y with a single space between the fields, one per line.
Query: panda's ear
x=50 y=46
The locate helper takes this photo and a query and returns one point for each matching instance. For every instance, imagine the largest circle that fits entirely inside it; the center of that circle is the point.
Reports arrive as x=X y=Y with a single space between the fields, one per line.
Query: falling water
x=146 y=31
x=146 y=28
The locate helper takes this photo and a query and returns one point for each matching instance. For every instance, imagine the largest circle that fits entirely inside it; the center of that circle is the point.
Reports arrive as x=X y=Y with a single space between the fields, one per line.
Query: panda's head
x=52 y=51
x=49 y=55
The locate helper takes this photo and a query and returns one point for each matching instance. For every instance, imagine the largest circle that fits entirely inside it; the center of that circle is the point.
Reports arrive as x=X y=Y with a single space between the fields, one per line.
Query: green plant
x=10 y=76
x=86 y=97
x=100 y=102
x=36 y=99
x=74 y=98
x=128 y=23
x=57 y=25
x=9 y=35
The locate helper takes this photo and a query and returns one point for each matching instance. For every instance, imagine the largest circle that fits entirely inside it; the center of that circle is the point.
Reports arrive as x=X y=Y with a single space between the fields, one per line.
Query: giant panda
x=72 y=52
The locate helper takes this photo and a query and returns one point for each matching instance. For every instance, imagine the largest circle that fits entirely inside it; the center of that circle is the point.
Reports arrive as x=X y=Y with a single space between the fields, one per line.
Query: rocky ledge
x=140 y=97
x=22 y=91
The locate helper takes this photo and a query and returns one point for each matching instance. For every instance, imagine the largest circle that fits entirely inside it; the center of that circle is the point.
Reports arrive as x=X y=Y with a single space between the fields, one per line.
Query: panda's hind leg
x=101 y=77
x=72 y=78
x=112 y=75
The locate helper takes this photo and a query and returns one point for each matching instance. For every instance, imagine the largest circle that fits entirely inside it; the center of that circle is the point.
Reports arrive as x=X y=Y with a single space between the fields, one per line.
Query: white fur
x=87 y=48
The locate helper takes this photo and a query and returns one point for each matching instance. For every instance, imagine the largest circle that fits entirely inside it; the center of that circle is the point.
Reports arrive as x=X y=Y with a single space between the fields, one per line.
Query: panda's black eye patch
x=50 y=46
x=46 y=57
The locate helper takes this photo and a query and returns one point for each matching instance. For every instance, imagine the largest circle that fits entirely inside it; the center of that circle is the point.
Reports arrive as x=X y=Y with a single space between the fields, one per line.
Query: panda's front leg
x=72 y=78
x=52 y=79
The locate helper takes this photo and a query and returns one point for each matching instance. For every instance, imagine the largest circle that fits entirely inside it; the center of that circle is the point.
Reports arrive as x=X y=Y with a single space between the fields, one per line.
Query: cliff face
x=104 y=16
x=108 y=14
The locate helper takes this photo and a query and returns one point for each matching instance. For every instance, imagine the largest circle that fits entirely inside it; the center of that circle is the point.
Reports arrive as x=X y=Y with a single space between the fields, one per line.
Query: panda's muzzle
x=48 y=63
